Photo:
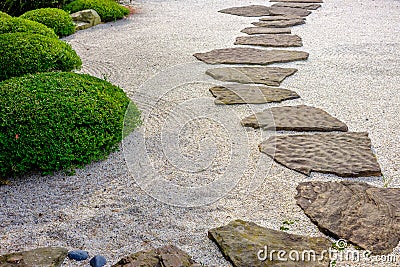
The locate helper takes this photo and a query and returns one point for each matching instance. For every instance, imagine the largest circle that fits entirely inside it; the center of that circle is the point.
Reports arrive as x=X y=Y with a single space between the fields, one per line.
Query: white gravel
x=119 y=206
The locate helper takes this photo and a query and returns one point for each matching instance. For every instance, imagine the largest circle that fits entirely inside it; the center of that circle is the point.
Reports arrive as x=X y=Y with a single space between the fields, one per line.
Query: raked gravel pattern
x=353 y=73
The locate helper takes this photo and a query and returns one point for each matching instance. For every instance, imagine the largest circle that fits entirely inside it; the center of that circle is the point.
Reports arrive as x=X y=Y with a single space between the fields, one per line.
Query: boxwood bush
x=57 y=19
x=4 y=15
x=59 y=120
x=18 y=7
x=22 y=53
x=12 y=25
x=108 y=10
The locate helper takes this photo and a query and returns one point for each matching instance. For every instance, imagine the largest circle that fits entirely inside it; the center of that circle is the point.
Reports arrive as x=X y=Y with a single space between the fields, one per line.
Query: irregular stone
x=247 y=11
x=44 y=257
x=308 y=6
x=247 y=244
x=86 y=18
x=166 y=256
x=366 y=216
x=98 y=261
x=279 y=23
x=78 y=255
x=271 y=40
x=264 y=75
x=247 y=94
x=295 y=118
x=298 y=1
x=266 y=30
x=289 y=11
x=343 y=154
x=289 y=17
x=242 y=55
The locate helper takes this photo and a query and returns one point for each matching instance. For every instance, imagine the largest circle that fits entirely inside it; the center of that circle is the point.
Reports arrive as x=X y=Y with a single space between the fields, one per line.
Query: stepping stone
x=247 y=94
x=343 y=154
x=289 y=17
x=270 y=40
x=266 y=30
x=248 y=244
x=308 y=6
x=264 y=75
x=366 y=216
x=279 y=23
x=295 y=118
x=44 y=257
x=298 y=1
x=167 y=256
x=241 y=55
x=247 y=11
x=289 y=11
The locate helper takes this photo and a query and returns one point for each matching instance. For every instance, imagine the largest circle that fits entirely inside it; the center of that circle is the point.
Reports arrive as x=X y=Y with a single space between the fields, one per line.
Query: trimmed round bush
x=54 y=18
x=59 y=121
x=108 y=10
x=13 y=25
x=22 y=53
x=18 y=7
x=4 y=15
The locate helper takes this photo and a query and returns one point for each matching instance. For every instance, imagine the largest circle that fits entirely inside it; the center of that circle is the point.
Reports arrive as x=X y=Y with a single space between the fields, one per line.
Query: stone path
x=248 y=11
x=308 y=6
x=271 y=40
x=266 y=30
x=279 y=23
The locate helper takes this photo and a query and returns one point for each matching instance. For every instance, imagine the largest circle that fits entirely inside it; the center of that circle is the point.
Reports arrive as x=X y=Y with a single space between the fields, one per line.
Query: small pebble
x=78 y=255
x=98 y=261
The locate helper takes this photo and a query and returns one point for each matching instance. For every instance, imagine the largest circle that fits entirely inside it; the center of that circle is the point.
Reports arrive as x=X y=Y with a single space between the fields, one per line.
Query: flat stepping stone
x=295 y=118
x=242 y=55
x=308 y=6
x=265 y=30
x=289 y=11
x=279 y=23
x=298 y=1
x=343 y=154
x=289 y=17
x=366 y=216
x=247 y=94
x=270 y=40
x=166 y=256
x=247 y=11
x=244 y=244
x=43 y=257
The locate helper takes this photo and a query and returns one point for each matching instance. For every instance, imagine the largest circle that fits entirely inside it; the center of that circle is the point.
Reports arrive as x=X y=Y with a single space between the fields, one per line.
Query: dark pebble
x=98 y=261
x=78 y=255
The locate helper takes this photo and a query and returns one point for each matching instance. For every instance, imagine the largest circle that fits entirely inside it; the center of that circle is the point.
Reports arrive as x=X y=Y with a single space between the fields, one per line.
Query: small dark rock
x=98 y=261
x=78 y=255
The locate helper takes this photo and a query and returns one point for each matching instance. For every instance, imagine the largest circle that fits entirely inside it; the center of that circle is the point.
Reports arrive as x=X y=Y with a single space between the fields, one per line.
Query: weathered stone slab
x=308 y=6
x=247 y=244
x=343 y=154
x=43 y=257
x=270 y=40
x=289 y=17
x=264 y=75
x=366 y=216
x=295 y=118
x=242 y=55
x=289 y=11
x=279 y=23
x=298 y=1
x=266 y=30
x=247 y=94
x=247 y=11
x=167 y=256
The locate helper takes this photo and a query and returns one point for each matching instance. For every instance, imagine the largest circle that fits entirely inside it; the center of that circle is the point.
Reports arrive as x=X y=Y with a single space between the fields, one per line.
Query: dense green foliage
x=18 y=7
x=4 y=15
x=12 y=25
x=108 y=10
x=22 y=53
x=57 y=19
x=59 y=120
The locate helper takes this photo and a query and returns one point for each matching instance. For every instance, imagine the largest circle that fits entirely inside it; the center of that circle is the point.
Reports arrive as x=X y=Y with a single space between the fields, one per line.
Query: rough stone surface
x=343 y=154
x=242 y=94
x=166 y=256
x=366 y=216
x=78 y=255
x=247 y=11
x=298 y=1
x=266 y=30
x=240 y=242
x=43 y=257
x=270 y=40
x=279 y=23
x=308 y=6
x=289 y=11
x=295 y=118
x=241 y=55
x=288 y=17
x=264 y=75
x=85 y=19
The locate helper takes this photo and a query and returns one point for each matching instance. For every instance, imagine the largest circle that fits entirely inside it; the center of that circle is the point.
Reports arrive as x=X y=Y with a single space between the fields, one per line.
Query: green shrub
x=58 y=121
x=108 y=10
x=13 y=25
x=4 y=15
x=22 y=53
x=57 y=19
x=18 y=7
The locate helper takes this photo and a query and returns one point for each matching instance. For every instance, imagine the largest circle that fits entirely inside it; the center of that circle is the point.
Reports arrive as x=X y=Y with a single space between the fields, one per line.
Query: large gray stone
x=264 y=75
x=298 y=1
x=279 y=23
x=289 y=11
x=266 y=30
x=240 y=242
x=242 y=55
x=270 y=40
x=247 y=11
x=344 y=154
x=43 y=257
x=366 y=216
x=308 y=6
x=295 y=118
x=86 y=18
x=247 y=94
x=285 y=17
